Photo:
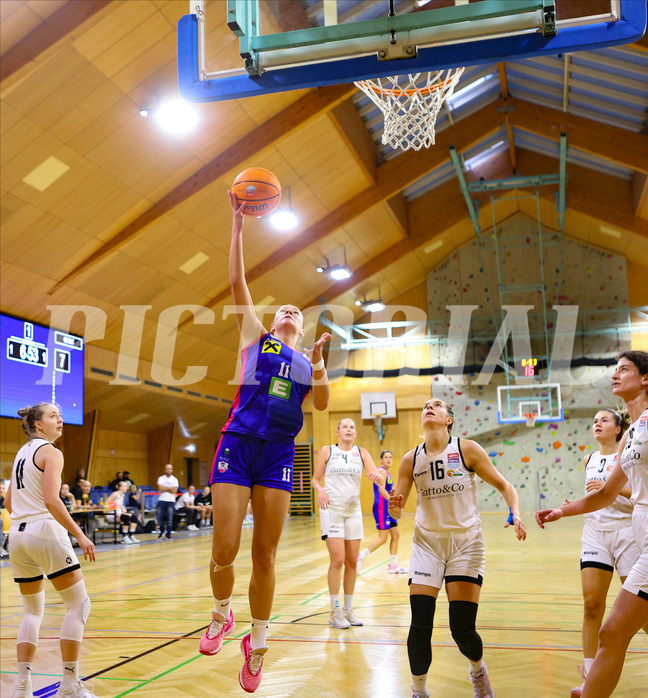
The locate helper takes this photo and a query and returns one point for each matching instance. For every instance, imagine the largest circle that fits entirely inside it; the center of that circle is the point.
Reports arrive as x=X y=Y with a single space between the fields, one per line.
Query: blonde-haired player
x=342 y=465
x=40 y=546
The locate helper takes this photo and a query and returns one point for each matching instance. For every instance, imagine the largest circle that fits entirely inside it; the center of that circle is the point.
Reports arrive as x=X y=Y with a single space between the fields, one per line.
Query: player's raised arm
x=478 y=461
x=321 y=388
x=249 y=324
x=592 y=501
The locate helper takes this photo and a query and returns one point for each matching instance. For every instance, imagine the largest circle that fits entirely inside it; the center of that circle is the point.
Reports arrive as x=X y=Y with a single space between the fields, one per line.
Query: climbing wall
x=543 y=462
x=590 y=278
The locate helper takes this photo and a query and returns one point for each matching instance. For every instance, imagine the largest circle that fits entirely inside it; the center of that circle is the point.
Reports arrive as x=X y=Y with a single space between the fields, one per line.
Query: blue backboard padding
x=630 y=28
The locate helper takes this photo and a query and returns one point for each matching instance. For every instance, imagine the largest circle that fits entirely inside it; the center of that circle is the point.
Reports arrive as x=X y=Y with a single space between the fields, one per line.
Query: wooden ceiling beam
x=593 y=193
x=501 y=67
x=640 y=194
x=398 y=209
x=393 y=176
x=605 y=197
x=274 y=129
x=60 y=24
x=429 y=217
x=349 y=124
x=610 y=142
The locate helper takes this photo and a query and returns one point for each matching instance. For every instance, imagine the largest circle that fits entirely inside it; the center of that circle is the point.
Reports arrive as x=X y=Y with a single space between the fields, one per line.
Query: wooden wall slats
x=160 y=445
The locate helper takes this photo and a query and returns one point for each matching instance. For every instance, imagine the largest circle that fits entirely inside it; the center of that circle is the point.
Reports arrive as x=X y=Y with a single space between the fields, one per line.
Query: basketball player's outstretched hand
x=374 y=477
x=318 y=347
x=88 y=548
x=395 y=505
x=237 y=207
x=546 y=515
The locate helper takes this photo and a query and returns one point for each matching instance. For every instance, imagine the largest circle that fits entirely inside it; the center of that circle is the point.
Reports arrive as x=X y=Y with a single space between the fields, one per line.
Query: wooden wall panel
x=80 y=444
x=12 y=437
x=159 y=451
x=205 y=449
x=119 y=451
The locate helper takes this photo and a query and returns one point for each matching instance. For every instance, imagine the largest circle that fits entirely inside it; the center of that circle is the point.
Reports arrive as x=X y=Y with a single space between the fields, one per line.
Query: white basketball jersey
x=27 y=482
x=634 y=459
x=609 y=518
x=342 y=480
x=447 y=495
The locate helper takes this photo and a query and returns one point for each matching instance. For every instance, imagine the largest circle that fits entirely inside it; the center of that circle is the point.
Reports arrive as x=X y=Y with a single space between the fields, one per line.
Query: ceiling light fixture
x=484 y=155
x=339 y=272
x=371 y=306
x=610 y=231
x=284 y=218
x=173 y=116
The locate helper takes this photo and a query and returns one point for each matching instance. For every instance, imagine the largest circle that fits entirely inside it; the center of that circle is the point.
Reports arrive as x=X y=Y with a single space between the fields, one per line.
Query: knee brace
x=463 y=615
x=419 y=649
x=34 y=605
x=77 y=604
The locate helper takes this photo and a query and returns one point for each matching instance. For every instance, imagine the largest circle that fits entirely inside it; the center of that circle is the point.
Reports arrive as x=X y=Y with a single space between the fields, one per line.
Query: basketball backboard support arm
x=335 y=66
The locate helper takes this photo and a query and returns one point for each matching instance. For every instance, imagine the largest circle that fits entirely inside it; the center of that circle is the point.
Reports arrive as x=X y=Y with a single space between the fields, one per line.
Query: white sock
x=364 y=553
x=24 y=670
x=392 y=560
x=70 y=672
x=348 y=602
x=222 y=608
x=476 y=667
x=259 y=633
x=419 y=683
x=588 y=665
x=335 y=601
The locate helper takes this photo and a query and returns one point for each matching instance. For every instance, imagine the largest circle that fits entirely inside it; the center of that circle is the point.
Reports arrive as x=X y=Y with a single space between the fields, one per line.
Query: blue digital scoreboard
x=39 y=364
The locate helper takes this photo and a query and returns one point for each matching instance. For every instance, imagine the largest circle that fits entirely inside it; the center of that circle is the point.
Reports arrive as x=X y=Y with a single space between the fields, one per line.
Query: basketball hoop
x=530 y=418
x=411 y=109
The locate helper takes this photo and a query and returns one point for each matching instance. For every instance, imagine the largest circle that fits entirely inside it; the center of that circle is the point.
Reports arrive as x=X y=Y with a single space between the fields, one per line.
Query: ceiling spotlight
x=284 y=218
x=175 y=116
x=339 y=272
x=371 y=306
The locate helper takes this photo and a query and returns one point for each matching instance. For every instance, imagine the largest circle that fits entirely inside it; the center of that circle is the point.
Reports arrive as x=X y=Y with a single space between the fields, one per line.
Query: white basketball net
x=411 y=109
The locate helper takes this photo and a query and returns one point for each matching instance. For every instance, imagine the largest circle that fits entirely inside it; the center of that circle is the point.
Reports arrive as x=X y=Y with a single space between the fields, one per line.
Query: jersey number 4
x=20 y=470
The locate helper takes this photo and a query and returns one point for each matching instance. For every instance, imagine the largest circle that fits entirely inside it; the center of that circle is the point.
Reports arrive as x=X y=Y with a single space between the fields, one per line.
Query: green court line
x=159 y=676
x=178 y=666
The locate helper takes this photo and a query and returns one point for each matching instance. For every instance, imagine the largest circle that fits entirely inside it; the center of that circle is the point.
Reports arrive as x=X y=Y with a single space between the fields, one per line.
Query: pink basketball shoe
x=250 y=674
x=212 y=641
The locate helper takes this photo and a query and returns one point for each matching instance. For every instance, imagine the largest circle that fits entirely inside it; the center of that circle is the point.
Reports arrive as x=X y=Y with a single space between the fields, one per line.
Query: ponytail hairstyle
x=450 y=412
x=30 y=415
x=382 y=453
x=621 y=419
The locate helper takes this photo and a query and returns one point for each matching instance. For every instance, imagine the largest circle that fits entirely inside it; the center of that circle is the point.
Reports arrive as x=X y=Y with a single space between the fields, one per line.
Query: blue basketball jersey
x=273 y=384
x=389 y=484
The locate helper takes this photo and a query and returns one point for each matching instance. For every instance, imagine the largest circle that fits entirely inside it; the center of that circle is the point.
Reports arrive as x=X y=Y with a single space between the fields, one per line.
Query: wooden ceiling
x=134 y=203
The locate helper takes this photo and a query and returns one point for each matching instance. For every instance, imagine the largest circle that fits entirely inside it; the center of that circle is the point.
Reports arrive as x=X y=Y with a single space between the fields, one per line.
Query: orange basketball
x=260 y=189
